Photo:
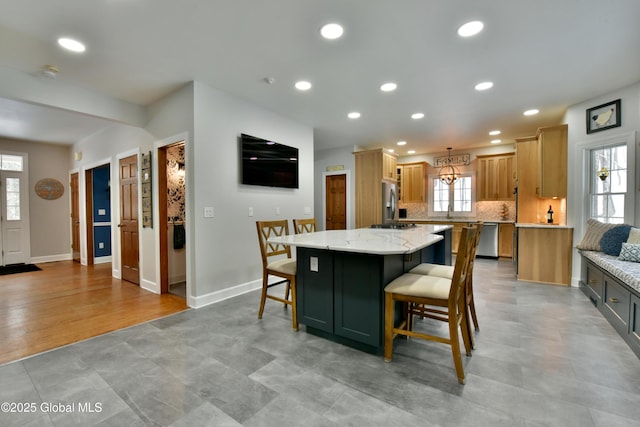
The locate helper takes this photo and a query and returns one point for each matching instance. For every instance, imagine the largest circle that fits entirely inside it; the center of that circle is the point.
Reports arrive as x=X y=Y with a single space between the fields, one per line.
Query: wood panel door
x=336 y=202
x=75 y=218
x=129 y=219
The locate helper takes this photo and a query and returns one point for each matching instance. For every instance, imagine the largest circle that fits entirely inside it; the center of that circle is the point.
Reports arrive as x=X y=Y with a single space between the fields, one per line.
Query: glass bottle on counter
x=550 y=215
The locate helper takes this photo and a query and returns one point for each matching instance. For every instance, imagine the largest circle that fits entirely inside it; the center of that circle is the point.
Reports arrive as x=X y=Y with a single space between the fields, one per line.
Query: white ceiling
x=545 y=54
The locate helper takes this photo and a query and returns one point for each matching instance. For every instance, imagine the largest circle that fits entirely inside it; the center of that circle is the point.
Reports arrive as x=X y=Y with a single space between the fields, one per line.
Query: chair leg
x=467 y=338
x=472 y=341
x=286 y=293
x=389 y=306
x=455 y=349
x=294 y=307
x=472 y=306
x=263 y=297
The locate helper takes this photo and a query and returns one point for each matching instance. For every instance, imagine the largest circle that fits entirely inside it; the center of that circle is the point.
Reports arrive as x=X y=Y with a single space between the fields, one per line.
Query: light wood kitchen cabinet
x=505 y=240
x=412 y=182
x=389 y=163
x=372 y=166
x=496 y=177
x=552 y=172
x=545 y=254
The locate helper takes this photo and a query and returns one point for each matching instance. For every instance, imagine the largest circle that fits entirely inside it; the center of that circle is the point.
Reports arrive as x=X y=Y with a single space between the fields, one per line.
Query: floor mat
x=18 y=268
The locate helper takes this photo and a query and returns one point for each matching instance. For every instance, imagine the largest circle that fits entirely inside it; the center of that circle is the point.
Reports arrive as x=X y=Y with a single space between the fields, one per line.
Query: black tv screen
x=268 y=163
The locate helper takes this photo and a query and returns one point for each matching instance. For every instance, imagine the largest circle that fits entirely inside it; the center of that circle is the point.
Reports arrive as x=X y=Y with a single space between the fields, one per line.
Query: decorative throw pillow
x=634 y=235
x=612 y=240
x=593 y=235
x=630 y=252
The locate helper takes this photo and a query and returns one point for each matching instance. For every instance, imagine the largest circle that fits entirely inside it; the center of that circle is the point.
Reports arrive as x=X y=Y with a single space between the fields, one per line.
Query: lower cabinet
x=340 y=295
x=617 y=303
x=505 y=240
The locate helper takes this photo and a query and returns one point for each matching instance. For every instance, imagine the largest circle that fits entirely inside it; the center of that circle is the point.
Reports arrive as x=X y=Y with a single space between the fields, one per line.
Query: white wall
x=225 y=252
x=334 y=157
x=579 y=139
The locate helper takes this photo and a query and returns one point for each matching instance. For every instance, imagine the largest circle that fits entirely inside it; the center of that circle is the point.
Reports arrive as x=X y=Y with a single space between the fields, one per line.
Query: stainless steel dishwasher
x=488 y=246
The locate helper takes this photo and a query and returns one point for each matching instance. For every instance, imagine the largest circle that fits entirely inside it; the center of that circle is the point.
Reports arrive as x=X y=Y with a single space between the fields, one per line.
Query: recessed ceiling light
x=411 y=152
x=303 y=85
x=470 y=29
x=496 y=141
x=402 y=143
x=390 y=150
x=71 y=44
x=417 y=116
x=354 y=115
x=484 y=86
x=388 y=87
x=495 y=132
x=531 y=112
x=331 y=31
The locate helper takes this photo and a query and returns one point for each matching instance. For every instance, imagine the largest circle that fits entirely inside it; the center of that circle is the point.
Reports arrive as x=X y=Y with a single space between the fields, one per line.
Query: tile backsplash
x=485 y=211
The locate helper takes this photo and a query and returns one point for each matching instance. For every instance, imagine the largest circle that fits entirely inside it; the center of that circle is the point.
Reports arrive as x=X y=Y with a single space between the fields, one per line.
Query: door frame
x=161 y=236
x=24 y=205
x=348 y=206
x=76 y=172
x=85 y=194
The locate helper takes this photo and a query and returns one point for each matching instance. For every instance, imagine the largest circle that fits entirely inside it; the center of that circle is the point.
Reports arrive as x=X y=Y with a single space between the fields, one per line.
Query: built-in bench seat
x=613 y=286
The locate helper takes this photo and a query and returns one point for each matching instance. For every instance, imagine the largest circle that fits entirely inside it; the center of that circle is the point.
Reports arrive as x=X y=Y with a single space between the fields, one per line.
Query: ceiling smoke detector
x=49 y=72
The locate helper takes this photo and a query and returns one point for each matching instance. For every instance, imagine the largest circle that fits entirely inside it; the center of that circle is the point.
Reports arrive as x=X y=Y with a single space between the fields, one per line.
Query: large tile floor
x=544 y=357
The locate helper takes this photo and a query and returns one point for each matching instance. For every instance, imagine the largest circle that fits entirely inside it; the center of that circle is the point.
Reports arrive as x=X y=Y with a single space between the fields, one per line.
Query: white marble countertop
x=540 y=225
x=378 y=241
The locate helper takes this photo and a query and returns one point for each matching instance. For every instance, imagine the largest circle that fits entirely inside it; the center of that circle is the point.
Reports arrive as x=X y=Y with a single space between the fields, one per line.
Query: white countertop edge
x=376 y=241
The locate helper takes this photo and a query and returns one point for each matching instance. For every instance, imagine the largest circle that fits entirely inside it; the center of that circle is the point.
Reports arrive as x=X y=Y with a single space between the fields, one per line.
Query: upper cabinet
x=389 y=163
x=372 y=166
x=541 y=169
x=496 y=177
x=412 y=182
x=552 y=173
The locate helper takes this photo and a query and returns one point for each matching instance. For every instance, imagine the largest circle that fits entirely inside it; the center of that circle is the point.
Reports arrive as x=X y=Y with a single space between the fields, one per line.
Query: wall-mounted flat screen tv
x=268 y=163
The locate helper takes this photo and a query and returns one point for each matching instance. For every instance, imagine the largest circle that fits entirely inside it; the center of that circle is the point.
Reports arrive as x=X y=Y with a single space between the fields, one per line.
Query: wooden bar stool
x=301 y=226
x=417 y=291
x=446 y=271
x=284 y=268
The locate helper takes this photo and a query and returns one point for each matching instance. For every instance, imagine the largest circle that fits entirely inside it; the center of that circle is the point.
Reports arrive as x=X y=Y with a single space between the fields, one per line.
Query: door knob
x=119 y=225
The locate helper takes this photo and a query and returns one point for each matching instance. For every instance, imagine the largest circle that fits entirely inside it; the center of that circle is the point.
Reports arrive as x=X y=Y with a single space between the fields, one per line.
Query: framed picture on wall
x=603 y=117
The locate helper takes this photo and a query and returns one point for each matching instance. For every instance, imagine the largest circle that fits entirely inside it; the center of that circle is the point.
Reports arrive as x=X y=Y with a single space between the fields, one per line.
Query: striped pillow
x=593 y=235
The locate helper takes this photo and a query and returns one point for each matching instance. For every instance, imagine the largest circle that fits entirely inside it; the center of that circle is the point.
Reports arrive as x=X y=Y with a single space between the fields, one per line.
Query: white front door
x=14 y=208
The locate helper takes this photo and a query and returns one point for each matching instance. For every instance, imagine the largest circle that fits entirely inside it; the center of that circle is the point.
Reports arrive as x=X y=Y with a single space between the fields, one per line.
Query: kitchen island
x=341 y=275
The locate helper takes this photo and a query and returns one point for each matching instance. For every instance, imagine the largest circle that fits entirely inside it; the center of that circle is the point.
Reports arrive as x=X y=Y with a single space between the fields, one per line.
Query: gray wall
x=48 y=219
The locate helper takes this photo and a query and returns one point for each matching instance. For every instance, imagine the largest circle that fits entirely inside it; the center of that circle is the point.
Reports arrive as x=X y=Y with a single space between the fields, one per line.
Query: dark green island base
x=344 y=299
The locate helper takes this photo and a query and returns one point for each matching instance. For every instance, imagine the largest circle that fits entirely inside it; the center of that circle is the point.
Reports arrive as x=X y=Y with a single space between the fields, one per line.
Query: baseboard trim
x=50 y=258
x=223 y=294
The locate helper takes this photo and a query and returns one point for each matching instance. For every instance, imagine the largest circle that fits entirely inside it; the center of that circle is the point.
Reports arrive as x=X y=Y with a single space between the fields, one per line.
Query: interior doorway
x=75 y=217
x=172 y=217
x=336 y=202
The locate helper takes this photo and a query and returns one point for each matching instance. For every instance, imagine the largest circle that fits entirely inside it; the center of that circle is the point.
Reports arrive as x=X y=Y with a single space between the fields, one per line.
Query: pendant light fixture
x=449 y=173
x=603 y=173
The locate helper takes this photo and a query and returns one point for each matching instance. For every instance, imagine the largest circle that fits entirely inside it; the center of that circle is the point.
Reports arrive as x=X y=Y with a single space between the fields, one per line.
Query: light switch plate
x=313 y=263
x=208 y=212
x=250 y=211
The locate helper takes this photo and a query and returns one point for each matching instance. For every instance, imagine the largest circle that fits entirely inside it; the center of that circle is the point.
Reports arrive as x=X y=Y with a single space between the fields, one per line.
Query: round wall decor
x=49 y=188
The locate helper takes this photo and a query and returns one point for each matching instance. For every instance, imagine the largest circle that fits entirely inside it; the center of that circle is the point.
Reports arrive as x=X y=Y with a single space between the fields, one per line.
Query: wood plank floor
x=67 y=302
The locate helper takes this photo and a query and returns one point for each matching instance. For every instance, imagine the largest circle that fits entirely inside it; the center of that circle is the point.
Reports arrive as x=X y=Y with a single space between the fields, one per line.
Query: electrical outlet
x=307 y=210
x=101 y=245
x=250 y=211
x=313 y=263
x=277 y=211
